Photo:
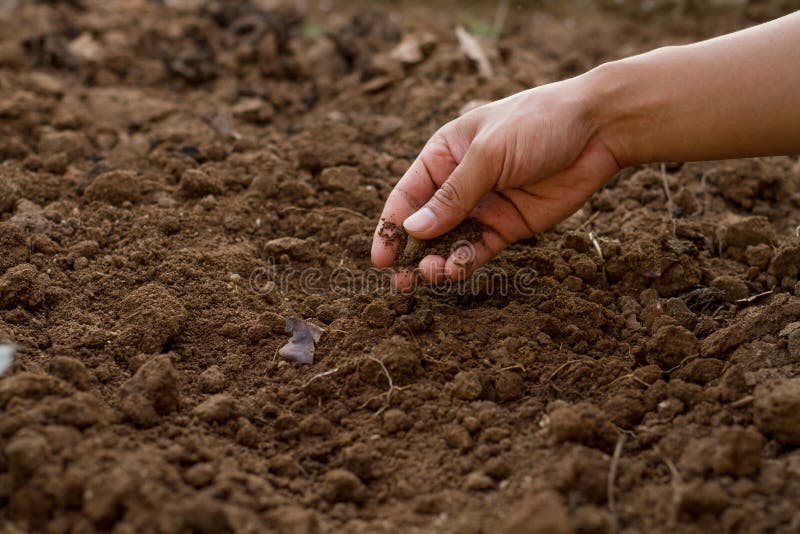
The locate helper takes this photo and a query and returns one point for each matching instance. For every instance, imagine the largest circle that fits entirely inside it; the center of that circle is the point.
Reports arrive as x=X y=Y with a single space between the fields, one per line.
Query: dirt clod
x=150 y=393
x=150 y=317
x=341 y=485
x=115 y=187
x=467 y=386
x=670 y=346
x=216 y=409
x=777 y=409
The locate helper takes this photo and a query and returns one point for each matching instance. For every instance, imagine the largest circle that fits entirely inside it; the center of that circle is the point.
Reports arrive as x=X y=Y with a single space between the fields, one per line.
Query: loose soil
x=173 y=171
x=412 y=250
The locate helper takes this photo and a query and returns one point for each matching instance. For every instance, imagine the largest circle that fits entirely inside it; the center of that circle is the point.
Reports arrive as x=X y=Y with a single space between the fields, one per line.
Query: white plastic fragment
x=7 y=353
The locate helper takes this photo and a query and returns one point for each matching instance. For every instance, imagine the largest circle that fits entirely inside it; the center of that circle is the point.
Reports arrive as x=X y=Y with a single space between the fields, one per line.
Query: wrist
x=620 y=108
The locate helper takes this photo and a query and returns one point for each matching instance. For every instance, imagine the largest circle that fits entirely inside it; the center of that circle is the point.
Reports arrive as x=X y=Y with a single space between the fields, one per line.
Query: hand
x=519 y=166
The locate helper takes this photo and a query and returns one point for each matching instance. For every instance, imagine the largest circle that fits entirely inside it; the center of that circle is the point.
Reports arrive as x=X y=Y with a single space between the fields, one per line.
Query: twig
x=500 y=18
x=632 y=377
x=754 y=297
x=515 y=366
x=596 y=243
x=588 y=221
x=742 y=402
x=320 y=375
x=612 y=473
x=670 y=205
x=682 y=363
x=391 y=384
x=566 y=364
x=473 y=50
x=677 y=490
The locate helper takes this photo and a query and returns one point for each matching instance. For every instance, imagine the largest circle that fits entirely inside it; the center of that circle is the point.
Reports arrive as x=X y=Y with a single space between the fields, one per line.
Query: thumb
x=456 y=196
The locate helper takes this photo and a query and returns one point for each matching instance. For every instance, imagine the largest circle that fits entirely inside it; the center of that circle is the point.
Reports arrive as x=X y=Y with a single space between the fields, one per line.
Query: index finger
x=431 y=168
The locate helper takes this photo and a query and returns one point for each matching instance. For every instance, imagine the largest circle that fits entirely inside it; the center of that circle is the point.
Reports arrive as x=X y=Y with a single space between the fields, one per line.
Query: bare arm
x=522 y=164
x=734 y=96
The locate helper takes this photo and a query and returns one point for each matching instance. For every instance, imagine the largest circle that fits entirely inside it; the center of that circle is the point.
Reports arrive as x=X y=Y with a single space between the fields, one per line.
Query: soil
x=412 y=250
x=179 y=177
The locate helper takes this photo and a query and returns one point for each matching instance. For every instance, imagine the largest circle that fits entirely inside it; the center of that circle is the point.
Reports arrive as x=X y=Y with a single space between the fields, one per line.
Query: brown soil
x=412 y=250
x=172 y=171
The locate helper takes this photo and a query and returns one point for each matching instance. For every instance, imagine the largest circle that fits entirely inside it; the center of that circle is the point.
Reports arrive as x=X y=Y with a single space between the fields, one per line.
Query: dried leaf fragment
x=474 y=51
x=301 y=347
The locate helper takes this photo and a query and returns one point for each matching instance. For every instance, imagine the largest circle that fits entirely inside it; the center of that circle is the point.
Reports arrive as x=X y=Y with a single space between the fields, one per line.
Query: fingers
x=463 y=261
x=417 y=186
x=457 y=195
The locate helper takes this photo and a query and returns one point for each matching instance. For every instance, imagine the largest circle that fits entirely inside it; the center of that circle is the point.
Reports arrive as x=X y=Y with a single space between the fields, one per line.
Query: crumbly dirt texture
x=178 y=177
x=412 y=250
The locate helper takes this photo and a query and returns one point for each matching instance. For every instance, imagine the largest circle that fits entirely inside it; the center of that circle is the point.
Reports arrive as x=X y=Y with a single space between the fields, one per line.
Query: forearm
x=734 y=96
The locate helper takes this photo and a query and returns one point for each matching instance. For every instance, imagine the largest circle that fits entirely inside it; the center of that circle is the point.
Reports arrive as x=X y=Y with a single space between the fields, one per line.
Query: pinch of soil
x=777 y=409
x=150 y=393
x=114 y=187
x=412 y=250
x=150 y=317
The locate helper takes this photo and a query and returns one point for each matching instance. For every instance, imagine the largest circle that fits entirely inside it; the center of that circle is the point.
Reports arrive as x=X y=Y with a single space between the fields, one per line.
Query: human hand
x=518 y=166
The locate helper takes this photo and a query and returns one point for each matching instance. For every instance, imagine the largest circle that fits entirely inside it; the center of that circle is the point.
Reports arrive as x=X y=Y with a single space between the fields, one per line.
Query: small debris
x=473 y=50
x=305 y=336
x=409 y=51
x=7 y=353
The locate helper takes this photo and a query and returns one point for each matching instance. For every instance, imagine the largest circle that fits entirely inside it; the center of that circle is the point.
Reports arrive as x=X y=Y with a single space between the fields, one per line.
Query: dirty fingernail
x=420 y=221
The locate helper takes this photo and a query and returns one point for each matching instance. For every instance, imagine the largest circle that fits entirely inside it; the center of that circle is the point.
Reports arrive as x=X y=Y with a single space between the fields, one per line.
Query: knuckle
x=449 y=197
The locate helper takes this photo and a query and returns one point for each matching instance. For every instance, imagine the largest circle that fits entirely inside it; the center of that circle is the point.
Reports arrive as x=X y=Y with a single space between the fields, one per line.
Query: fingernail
x=420 y=221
